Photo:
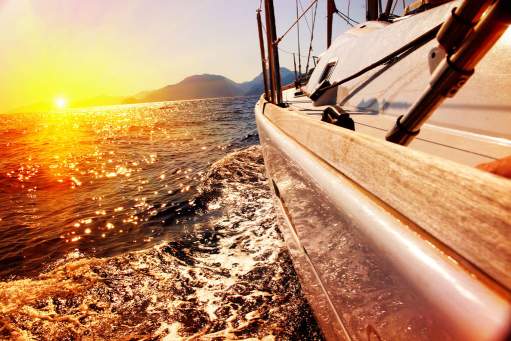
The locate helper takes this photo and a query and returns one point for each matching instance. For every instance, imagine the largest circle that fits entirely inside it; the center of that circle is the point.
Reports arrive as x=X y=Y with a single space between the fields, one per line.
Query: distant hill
x=193 y=87
x=197 y=86
x=256 y=86
x=207 y=86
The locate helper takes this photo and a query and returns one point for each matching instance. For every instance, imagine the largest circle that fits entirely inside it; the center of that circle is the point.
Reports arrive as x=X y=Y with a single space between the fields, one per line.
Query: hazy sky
x=84 y=48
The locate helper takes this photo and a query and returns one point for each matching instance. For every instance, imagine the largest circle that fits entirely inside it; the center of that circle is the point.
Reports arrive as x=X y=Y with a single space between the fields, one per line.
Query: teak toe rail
x=465 y=208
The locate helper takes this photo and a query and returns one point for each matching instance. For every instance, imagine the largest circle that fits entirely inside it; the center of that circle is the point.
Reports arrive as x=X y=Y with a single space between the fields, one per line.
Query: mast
x=263 y=57
x=273 y=52
x=296 y=73
x=371 y=10
x=269 y=46
x=330 y=13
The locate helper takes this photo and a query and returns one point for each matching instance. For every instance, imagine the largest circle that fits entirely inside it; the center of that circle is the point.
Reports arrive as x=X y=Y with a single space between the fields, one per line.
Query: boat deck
x=457 y=145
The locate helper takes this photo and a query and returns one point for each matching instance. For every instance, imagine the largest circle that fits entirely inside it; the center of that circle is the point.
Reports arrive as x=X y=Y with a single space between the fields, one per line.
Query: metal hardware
x=461 y=23
x=455 y=70
x=435 y=57
x=342 y=119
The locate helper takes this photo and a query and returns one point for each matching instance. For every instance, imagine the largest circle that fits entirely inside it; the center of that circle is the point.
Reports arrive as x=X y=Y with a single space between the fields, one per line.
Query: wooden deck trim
x=471 y=212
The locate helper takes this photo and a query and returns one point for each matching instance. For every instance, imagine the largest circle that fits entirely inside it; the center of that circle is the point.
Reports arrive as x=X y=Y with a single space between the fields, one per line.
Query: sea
x=143 y=222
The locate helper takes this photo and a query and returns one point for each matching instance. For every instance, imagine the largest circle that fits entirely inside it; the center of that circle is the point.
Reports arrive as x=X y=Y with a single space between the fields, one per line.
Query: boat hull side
x=364 y=273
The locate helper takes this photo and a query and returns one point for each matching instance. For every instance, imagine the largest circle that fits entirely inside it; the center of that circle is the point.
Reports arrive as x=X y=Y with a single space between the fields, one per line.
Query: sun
x=60 y=102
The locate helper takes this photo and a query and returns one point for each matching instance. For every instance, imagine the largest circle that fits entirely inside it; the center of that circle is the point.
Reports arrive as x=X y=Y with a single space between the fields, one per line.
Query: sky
x=79 y=49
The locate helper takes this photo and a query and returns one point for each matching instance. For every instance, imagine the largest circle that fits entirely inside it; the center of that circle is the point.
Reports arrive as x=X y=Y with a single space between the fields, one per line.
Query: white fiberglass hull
x=395 y=242
x=370 y=270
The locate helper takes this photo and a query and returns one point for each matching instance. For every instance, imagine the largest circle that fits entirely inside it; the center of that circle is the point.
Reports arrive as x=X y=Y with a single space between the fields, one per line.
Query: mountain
x=197 y=86
x=193 y=87
x=207 y=86
x=256 y=86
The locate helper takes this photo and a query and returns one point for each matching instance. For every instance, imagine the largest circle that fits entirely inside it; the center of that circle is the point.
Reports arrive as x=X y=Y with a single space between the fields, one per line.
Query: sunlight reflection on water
x=107 y=180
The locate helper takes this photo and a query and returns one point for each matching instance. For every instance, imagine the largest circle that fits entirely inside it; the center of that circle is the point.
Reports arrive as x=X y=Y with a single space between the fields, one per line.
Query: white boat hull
x=369 y=269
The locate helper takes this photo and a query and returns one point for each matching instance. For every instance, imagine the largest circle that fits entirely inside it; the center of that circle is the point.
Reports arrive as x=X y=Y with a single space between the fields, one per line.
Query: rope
x=392 y=58
x=346 y=19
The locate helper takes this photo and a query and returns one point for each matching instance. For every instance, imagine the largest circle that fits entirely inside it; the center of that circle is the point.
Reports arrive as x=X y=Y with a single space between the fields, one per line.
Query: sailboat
x=378 y=160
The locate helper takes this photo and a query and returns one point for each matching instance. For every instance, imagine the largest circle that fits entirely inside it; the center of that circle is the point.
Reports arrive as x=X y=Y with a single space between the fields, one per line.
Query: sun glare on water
x=60 y=102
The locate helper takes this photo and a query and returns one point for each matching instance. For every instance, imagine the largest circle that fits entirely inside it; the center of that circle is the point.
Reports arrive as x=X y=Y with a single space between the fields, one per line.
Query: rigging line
x=285 y=51
x=349 y=3
x=350 y=18
x=298 y=41
x=312 y=38
x=297 y=20
x=345 y=19
x=296 y=71
x=260 y=4
x=388 y=7
x=280 y=48
x=393 y=7
x=391 y=58
x=306 y=21
x=290 y=53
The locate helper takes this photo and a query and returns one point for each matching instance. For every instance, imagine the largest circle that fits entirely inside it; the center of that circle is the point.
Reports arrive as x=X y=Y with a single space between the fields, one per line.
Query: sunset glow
x=82 y=47
x=60 y=102
x=95 y=50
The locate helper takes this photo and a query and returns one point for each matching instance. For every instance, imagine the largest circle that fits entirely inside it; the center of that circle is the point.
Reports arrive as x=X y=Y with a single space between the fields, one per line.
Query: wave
x=228 y=279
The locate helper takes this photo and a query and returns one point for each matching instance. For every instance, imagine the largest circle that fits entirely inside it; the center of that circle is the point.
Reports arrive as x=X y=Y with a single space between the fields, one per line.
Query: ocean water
x=143 y=222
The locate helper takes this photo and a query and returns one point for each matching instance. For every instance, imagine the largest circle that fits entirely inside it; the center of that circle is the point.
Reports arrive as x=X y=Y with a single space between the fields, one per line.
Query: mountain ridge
x=192 y=87
x=206 y=86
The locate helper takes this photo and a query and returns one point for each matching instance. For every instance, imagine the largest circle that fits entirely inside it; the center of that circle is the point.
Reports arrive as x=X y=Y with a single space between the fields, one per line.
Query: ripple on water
x=64 y=175
x=231 y=279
